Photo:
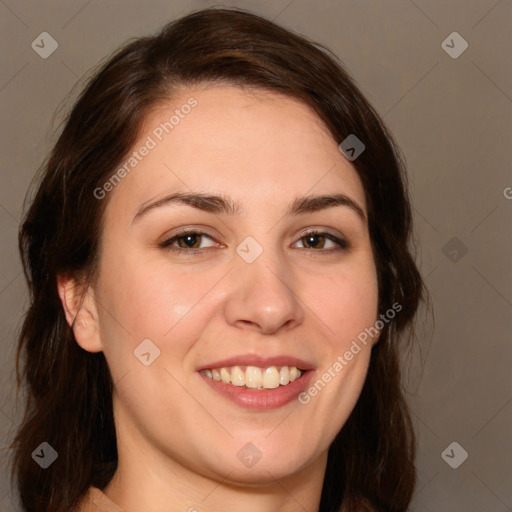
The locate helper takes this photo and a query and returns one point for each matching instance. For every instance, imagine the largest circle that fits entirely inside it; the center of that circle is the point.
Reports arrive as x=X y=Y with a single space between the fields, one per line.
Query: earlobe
x=81 y=313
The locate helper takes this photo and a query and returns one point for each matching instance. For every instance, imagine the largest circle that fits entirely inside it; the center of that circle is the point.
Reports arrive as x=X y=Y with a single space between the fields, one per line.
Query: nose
x=263 y=297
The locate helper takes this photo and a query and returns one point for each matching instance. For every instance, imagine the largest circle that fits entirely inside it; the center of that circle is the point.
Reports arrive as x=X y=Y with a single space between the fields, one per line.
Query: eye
x=316 y=239
x=187 y=241
x=191 y=242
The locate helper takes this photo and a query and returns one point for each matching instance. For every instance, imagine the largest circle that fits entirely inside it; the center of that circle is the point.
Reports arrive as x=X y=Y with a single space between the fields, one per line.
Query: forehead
x=256 y=146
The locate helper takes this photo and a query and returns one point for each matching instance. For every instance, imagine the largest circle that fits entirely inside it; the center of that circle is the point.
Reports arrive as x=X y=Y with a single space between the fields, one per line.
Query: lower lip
x=261 y=400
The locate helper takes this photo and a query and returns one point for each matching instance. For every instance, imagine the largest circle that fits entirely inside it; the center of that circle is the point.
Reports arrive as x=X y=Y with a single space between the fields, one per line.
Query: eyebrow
x=219 y=204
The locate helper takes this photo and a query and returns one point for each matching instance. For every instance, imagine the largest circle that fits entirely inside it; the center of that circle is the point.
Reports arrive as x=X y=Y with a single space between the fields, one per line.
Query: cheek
x=333 y=393
x=348 y=306
x=141 y=300
x=346 y=302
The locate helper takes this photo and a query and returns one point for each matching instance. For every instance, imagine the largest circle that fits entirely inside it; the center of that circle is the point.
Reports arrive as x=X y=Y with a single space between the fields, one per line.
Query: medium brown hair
x=371 y=461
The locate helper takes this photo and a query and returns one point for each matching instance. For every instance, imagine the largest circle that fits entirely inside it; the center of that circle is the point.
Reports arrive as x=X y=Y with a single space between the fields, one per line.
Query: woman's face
x=247 y=293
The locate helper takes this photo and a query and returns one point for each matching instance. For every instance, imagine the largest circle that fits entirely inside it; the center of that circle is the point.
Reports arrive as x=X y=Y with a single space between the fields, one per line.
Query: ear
x=81 y=313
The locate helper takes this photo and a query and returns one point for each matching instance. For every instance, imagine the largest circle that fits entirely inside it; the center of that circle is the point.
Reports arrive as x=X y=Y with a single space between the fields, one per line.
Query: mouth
x=254 y=377
x=258 y=383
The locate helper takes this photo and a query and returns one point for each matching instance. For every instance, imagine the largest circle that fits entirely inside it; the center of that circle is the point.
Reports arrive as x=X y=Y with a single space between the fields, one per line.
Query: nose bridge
x=263 y=292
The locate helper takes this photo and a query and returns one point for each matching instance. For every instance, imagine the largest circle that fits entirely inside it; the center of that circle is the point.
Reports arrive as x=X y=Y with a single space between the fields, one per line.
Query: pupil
x=313 y=240
x=190 y=240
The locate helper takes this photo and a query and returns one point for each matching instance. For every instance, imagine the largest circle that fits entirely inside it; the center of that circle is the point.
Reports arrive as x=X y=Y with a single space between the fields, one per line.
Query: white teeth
x=224 y=375
x=237 y=376
x=284 y=376
x=270 y=378
x=254 y=377
x=294 y=373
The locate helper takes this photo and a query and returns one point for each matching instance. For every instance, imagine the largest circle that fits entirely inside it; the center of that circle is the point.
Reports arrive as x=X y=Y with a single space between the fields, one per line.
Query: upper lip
x=256 y=360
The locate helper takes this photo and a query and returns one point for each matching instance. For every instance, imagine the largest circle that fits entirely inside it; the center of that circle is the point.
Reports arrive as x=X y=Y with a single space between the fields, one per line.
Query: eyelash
x=166 y=244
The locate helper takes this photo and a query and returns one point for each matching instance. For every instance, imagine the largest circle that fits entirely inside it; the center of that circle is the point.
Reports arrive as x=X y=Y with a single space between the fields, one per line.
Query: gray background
x=452 y=119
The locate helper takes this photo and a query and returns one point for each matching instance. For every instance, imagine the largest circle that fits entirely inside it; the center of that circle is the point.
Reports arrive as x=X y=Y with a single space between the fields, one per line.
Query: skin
x=177 y=438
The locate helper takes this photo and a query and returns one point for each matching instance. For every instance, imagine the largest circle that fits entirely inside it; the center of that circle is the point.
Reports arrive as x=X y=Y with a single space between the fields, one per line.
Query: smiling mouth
x=254 y=377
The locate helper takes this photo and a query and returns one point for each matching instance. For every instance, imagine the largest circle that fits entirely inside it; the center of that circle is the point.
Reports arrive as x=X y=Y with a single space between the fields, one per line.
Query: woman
x=220 y=279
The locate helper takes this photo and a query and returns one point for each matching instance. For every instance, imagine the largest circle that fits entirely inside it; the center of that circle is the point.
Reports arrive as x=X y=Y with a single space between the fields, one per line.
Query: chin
x=258 y=475
x=252 y=468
